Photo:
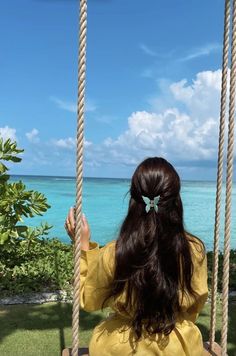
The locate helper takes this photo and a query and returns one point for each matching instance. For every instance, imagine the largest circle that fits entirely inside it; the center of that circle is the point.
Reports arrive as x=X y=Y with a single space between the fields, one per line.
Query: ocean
x=105 y=205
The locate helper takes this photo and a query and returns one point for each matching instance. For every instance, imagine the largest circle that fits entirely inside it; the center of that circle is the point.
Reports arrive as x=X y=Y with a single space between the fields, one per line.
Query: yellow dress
x=114 y=336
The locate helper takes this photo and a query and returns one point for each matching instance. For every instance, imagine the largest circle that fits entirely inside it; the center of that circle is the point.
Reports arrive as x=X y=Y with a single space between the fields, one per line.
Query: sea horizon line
x=92 y=177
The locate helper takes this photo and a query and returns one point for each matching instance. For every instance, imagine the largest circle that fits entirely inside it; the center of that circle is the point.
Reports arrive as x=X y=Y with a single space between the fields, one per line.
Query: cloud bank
x=184 y=132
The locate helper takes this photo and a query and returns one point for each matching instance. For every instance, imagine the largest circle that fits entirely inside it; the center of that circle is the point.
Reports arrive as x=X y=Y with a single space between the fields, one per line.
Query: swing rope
x=229 y=184
x=220 y=170
x=229 y=179
x=79 y=172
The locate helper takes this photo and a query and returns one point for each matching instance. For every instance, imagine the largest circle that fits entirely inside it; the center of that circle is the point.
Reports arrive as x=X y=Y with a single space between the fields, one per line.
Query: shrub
x=16 y=202
x=46 y=266
x=232 y=269
x=25 y=261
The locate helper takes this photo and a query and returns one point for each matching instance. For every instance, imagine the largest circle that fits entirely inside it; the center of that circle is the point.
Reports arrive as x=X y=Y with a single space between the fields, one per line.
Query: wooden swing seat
x=216 y=350
x=83 y=351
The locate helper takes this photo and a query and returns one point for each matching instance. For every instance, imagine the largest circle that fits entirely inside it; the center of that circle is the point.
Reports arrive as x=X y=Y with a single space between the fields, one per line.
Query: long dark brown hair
x=153 y=258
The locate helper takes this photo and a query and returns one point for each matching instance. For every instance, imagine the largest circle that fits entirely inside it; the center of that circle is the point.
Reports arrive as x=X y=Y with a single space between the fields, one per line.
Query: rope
x=229 y=183
x=220 y=170
x=79 y=172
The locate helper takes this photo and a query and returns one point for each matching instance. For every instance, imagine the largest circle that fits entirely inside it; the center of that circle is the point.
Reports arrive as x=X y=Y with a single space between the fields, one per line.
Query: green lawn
x=35 y=330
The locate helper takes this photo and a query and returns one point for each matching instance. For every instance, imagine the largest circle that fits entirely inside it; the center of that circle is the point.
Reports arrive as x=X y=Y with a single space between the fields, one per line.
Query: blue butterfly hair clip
x=151 y=203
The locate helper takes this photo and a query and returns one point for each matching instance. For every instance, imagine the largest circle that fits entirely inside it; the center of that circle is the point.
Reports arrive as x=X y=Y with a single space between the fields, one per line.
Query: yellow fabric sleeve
x=96 y=275
x=192 y=306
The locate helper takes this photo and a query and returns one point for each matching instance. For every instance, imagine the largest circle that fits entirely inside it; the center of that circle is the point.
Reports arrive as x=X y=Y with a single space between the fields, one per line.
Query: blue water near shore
x=105 y=205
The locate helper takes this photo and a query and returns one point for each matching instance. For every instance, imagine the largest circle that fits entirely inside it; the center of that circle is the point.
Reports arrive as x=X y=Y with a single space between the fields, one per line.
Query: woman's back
x=100 y=274
x=97 y=273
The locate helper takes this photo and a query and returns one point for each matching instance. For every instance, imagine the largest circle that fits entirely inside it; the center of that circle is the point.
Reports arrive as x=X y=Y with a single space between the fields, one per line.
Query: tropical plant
x=17 y=203
x=46 y=266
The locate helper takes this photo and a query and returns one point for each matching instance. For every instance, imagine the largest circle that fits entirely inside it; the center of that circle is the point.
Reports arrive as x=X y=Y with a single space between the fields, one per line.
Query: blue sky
x=153 y=83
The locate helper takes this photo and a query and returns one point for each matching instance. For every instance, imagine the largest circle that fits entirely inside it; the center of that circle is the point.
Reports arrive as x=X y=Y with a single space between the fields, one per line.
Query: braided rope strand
x=220 y=170
x=79 y=172
x=229 y=182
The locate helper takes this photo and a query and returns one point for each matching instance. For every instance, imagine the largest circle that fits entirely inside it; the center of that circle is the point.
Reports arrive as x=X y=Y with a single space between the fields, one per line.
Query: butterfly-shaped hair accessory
x=151 y=203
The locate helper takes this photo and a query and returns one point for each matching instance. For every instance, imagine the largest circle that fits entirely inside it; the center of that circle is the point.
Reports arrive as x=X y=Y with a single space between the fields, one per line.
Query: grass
x=203 y=323
x=44 y=330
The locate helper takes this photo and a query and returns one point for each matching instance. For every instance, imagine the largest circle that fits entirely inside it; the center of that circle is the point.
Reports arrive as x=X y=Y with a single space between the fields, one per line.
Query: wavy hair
x=152 y=257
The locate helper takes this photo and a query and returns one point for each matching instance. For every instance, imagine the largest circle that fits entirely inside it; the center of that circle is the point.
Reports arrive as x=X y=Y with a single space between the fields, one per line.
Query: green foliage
x=27 y=261
x=232 y=269
x=46 y=266
x=17 y=202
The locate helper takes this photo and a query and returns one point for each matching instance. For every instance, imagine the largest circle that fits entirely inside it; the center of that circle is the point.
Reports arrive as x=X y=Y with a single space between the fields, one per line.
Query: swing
x=211 y=347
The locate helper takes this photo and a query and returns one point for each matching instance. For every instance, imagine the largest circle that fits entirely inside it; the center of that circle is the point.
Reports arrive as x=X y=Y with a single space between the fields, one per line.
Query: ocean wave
x=63 y=179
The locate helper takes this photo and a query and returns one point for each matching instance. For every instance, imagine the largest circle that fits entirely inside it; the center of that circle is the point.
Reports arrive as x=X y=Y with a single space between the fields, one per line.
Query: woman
x=154 y=277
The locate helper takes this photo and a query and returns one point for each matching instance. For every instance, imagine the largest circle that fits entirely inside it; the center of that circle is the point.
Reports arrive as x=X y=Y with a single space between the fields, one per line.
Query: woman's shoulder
x=197 y=246
x=109 y=246
x=108 y=255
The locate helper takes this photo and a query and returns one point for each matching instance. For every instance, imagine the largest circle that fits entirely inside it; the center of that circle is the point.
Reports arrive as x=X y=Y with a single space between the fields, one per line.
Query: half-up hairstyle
x=152 y=258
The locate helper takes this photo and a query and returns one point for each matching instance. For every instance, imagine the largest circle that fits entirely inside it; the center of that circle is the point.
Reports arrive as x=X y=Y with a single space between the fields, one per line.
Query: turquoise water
x=105 y=205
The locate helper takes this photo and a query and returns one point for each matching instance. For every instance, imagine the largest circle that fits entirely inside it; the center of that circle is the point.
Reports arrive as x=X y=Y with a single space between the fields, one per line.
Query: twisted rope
x=229 y=183
x=220 y=170
x=79 y=172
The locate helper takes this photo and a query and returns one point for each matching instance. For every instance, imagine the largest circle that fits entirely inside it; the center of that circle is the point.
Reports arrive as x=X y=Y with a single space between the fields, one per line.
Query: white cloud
x=90 y=106
x=32 y=136
x=65 y=105
x=184 y=131
x=171 y=134
x=147 y=50
x=69 y=143
x=72 y=106
x=205 y=50
x=202 y=97
x=8 y=132
x=87 y=143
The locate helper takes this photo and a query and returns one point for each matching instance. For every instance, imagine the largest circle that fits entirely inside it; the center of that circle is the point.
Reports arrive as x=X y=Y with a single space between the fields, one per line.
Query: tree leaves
x=9 y=151
x=3 y=168
x=17 y=203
